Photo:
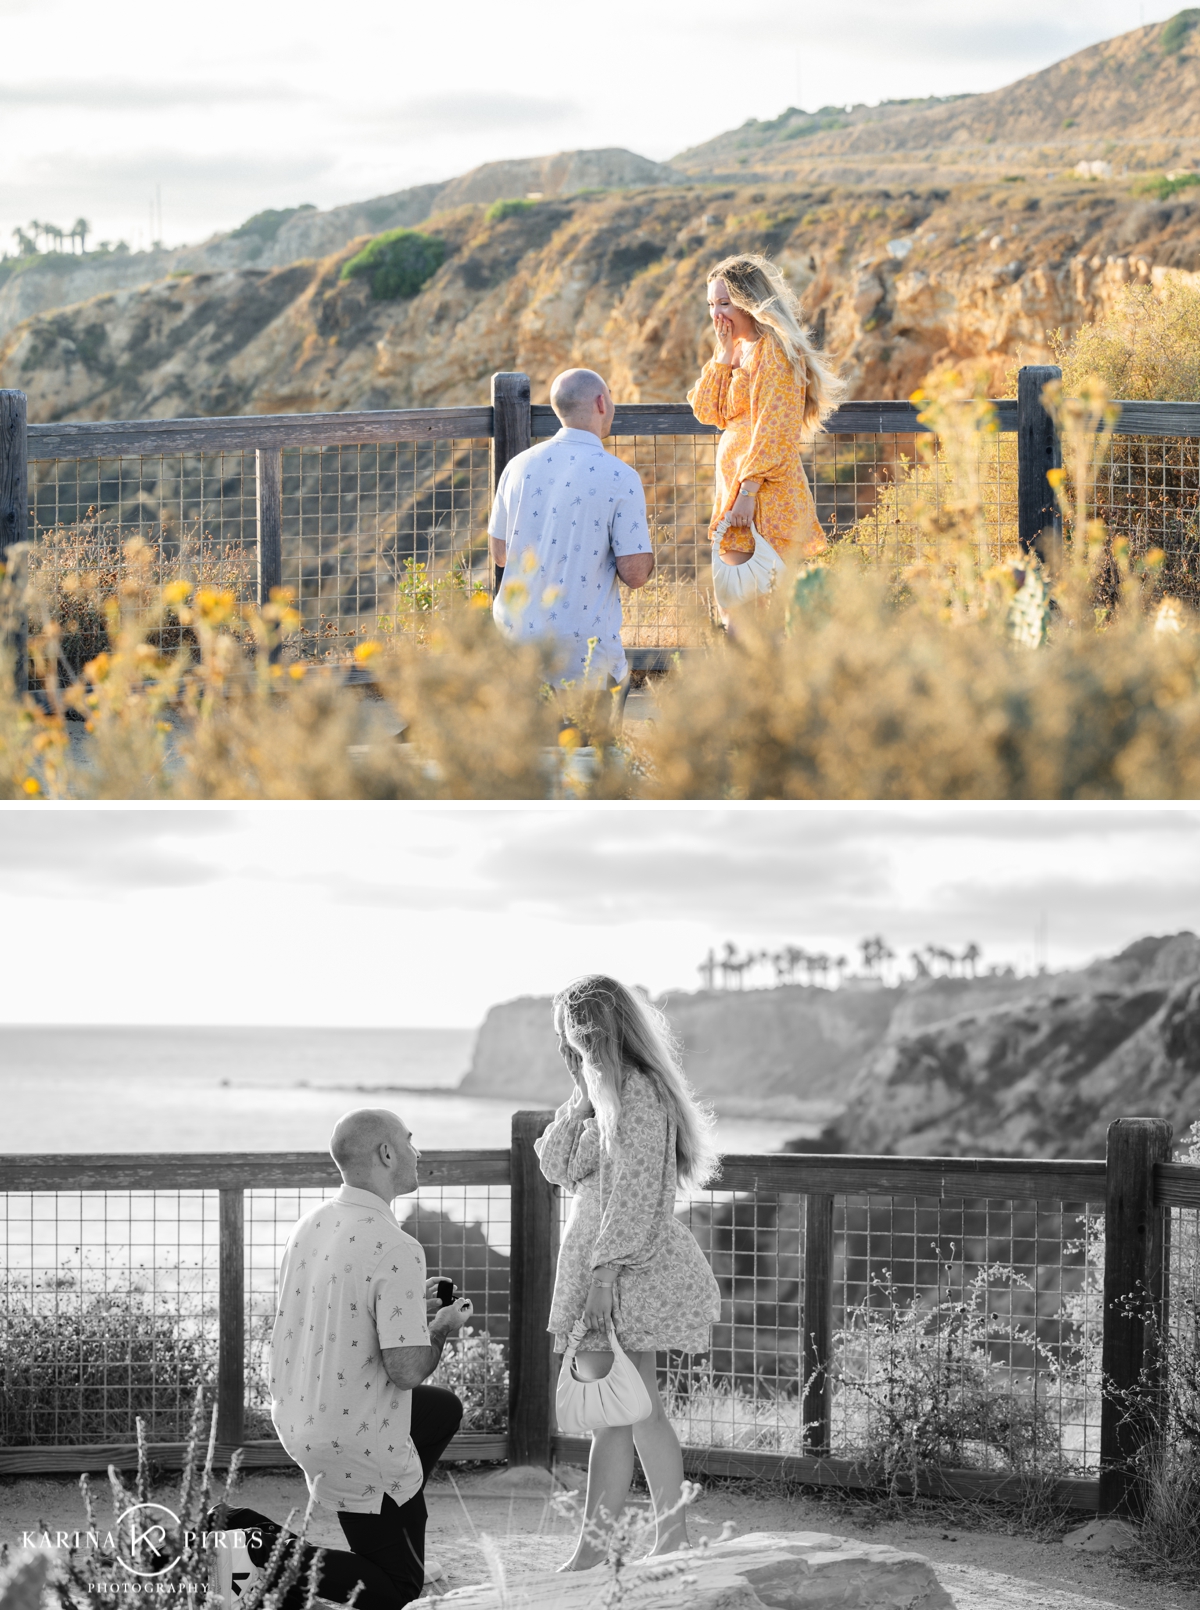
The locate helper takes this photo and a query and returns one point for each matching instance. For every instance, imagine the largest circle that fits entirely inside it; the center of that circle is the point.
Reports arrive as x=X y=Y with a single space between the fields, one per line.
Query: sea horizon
x=142 y=1088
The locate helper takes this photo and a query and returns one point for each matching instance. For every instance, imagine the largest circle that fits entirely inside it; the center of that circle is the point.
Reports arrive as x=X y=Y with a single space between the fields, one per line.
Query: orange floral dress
x=760 y=410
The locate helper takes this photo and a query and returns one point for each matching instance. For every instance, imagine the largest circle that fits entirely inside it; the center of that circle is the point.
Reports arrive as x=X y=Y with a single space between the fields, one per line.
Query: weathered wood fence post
x=268 y=466
x=231 y=1319
x=531 y=1371
x=817 y=1340
x=512 y=427
x=1135 y=1308
x=1038 y=452
x=14 y=522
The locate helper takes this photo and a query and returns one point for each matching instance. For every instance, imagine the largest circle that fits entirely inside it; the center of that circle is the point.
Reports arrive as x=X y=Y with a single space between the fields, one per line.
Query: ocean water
x=123 y=1090
x=272 y=1090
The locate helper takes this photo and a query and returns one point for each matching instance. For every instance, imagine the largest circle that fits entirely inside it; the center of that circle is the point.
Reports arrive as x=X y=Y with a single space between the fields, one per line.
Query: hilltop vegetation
x=1131 y=100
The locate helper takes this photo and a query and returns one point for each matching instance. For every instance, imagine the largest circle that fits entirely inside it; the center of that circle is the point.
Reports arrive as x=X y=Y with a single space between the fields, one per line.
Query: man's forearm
x=418 y=1363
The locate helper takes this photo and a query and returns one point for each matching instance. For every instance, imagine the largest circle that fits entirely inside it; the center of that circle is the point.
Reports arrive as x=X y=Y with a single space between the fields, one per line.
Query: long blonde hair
x=758 y=288
x=615 y=1031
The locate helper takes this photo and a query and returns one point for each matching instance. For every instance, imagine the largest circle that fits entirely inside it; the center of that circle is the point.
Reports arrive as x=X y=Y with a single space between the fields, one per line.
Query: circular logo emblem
x=142 y=1534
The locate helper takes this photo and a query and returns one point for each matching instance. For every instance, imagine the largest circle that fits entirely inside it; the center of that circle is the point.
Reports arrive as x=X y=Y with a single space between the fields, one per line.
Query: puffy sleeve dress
x=759 y=408
x=664 y=1293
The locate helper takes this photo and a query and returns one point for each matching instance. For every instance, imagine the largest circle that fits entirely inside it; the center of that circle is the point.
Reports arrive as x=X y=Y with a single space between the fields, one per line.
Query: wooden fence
x=511 y=423
x=1137 y=1183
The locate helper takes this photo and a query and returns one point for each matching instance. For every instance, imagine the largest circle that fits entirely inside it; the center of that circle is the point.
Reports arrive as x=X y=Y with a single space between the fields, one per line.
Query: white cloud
x=409 y=95
x=417 y=916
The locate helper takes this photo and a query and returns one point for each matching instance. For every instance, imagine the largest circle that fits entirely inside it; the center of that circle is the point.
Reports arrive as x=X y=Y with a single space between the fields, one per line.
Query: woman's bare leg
x=610 y=1471
x=658 y=1449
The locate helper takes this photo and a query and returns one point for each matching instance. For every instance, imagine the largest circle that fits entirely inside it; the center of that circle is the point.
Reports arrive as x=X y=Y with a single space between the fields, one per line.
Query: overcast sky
x=427 y=916
x=242 y=104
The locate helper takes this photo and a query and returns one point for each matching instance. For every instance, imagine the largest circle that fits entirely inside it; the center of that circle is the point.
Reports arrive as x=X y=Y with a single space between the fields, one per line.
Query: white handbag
x=619 y=1399
x=741 y=584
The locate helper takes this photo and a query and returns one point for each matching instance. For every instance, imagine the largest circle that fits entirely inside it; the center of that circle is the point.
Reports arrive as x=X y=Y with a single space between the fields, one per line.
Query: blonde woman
x=630 y=1134
x=767 y=388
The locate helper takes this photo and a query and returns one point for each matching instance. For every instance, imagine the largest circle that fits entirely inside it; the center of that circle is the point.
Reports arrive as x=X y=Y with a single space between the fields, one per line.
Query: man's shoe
x=234 y=1573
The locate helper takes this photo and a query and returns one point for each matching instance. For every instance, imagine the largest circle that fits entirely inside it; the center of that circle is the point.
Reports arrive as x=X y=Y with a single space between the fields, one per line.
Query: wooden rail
x=1136 y=1185
x=510 y=423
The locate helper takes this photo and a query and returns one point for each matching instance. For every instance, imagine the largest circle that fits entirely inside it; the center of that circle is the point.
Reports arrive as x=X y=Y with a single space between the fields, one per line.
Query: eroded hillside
x=1133 y=101
x=1042 y=1076
x=896 y=281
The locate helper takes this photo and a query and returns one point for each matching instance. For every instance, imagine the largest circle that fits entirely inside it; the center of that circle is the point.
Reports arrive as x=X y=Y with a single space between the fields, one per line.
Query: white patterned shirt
x=351 y=1282
x=566 y=510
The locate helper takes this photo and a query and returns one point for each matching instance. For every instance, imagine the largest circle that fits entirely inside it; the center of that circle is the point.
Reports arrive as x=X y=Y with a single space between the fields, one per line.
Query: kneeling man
x=568 y=520
x=352 y=1342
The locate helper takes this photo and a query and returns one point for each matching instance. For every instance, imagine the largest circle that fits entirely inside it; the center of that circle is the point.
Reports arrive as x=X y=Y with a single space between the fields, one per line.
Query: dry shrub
x=1146 y=347
x=74 y=569
x=927 y=668
x=459 y=713
x=867 y=700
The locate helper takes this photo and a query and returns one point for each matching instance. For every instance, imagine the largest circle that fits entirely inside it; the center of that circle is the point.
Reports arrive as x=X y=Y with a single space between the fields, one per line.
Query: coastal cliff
x=999 y=1065
x=770 y=1051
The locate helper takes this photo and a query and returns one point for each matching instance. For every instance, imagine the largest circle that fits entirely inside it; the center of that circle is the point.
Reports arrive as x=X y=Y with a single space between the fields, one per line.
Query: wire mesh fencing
x=110 y=1313
x=1146 y=491
x=376 y=537
x=966 y=1333
x=373 y=535
x=111 y=1305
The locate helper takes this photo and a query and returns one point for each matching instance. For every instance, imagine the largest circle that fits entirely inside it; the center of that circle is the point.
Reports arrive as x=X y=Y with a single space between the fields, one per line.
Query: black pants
x=387 y=1551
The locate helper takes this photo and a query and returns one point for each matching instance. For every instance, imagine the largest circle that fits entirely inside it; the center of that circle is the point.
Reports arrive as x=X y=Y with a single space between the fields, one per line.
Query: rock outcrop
x=800 y=1570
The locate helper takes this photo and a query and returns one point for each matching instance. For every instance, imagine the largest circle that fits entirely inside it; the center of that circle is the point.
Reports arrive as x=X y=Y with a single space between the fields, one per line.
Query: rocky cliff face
x=895 y=283
x=1042 y=1076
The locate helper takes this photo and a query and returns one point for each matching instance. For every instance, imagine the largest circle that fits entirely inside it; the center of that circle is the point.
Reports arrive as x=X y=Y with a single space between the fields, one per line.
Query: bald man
x=352 y=1342
x=568 y=522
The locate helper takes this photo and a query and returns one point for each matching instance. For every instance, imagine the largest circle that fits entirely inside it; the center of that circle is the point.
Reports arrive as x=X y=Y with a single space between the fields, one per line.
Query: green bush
x=474 y=1368
x=917 y=1384
x=1162 y=187
x=1175 y=32
x=84 y=1366
x=507 y=209
x=266 y=225
x=397 y=263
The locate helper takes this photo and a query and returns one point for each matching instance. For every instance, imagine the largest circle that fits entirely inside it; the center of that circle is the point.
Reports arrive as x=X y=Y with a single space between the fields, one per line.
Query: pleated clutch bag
x=619 y=1399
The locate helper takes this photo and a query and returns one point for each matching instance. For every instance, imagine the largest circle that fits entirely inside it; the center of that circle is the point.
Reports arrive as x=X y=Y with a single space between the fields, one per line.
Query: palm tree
x=970 y=957
x=80 y=230
x=708 y=969
x=875 y=953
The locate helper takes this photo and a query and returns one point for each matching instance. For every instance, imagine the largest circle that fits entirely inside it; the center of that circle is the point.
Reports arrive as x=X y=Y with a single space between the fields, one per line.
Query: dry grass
x=934 y=663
